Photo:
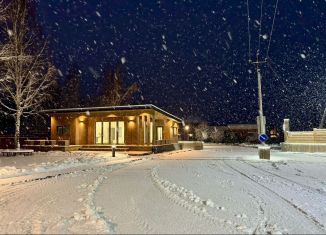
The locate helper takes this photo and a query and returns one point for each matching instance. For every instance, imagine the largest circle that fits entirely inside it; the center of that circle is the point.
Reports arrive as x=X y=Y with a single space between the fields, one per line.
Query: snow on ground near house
x=41 y=162
x=221 y=189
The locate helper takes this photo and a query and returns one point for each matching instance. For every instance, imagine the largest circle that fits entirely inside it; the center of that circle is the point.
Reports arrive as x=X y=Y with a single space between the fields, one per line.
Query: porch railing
x=161 y=142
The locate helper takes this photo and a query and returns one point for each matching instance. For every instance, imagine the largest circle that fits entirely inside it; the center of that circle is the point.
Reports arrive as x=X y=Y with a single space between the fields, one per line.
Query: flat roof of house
x=112 y=108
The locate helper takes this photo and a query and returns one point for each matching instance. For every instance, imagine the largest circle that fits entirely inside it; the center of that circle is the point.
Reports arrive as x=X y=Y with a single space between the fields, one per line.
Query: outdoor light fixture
x=131 y=118
x=187 y=128
x=81 y=119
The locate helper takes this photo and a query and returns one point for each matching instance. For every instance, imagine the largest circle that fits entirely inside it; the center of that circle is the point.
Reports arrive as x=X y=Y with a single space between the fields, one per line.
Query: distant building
x=244 y=132
x=232 y=133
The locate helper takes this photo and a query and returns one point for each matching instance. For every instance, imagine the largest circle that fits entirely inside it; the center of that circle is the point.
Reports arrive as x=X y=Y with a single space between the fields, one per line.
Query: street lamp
x=187 y=129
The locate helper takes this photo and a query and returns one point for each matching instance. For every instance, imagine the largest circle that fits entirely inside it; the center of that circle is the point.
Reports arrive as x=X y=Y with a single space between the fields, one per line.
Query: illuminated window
x=110 y=132
x=174 y=131
x=151 y=132
x=98 y=133
x=159 y=133
x=121 y=133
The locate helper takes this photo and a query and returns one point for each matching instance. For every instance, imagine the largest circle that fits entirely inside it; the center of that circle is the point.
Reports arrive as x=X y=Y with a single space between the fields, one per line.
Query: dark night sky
x=191 y=57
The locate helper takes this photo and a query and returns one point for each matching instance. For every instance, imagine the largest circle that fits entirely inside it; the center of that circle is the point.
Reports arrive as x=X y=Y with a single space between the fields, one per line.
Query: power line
x=269 y=63
x=271 y=33
x=273 y=70
x=260 y=119
x=260 y=24
x=249 y=35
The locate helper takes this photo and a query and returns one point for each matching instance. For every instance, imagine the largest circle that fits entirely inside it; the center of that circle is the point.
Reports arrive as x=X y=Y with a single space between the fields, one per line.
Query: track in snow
x=305 y=213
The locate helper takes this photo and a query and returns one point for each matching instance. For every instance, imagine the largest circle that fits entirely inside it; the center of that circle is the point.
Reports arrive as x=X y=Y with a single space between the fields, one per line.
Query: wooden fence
x=316 y=136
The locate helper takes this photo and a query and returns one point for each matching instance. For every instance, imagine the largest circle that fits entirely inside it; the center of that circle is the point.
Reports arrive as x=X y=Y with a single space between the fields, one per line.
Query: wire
x=271 y=33
x=273 y=70
x=260 y=24
x=249 y=35
x=276 y=74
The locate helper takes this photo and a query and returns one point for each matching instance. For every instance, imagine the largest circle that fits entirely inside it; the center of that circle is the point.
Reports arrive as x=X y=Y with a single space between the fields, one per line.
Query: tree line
x=112 y=91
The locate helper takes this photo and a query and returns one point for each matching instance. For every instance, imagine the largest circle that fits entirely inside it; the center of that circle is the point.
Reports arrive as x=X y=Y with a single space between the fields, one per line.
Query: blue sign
x=263 y=137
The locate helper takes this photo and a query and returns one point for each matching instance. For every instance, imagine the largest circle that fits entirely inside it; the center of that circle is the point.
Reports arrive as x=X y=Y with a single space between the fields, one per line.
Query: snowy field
x=52 y=161
x=220 y=189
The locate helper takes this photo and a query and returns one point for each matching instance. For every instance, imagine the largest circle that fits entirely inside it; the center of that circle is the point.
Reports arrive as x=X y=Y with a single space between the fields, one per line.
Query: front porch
x=63 y=145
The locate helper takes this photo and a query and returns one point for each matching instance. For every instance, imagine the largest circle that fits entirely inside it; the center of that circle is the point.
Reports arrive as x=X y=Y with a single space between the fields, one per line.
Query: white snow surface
x=50 y=161
x=221 y=189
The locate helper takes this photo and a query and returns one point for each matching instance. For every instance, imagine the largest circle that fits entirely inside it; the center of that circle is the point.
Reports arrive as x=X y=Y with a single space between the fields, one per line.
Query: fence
x=315 y=136
x=9 y=141
x=161 y=142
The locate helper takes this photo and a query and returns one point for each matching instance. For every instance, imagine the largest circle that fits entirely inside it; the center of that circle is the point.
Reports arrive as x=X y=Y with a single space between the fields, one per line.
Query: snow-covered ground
x=41 y=162
x=221 y=189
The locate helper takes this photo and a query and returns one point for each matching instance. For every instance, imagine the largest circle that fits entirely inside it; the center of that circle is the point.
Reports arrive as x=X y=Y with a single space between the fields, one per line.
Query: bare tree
x=70 y=90
x=114 y=91
x=216 y=134
x=3 y=13
x=202 y=131
x=25 y=73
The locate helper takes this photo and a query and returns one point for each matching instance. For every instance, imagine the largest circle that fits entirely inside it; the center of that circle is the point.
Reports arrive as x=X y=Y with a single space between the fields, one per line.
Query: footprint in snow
x=82 y=186
x=208 y=202
x=241 y=227
x=241 y=216
x=321 y=190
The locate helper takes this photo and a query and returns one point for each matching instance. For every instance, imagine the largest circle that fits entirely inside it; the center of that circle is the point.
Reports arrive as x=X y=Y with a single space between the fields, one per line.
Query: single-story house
x=115 y=125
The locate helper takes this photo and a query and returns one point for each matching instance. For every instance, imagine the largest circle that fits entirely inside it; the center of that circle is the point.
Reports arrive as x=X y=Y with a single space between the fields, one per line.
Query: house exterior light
x=131 y=118
x=81 y=119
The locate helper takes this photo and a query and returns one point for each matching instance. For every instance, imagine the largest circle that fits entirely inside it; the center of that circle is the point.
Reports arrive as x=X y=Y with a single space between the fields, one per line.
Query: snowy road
x=218 y=190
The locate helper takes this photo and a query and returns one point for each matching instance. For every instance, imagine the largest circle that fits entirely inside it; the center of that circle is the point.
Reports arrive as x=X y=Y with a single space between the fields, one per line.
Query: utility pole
x=261 y=121
x=264 y=151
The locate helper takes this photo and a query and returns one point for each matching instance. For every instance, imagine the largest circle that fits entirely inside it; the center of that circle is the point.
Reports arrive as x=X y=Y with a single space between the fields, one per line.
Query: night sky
x=191 y=57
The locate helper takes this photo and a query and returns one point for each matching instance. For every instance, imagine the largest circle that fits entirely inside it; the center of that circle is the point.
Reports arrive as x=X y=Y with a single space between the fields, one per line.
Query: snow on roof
x=112 y=108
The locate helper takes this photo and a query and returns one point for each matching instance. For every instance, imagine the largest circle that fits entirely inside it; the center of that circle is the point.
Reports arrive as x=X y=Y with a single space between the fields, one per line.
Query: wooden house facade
x=115 y=125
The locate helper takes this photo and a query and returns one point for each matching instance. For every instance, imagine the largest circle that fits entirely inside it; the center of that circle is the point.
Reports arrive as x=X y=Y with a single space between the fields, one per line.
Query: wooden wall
x=82 y=126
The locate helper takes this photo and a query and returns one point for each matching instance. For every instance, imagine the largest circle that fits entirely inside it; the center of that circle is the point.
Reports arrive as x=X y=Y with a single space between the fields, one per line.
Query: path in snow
x=218 y=190
x=60 y=205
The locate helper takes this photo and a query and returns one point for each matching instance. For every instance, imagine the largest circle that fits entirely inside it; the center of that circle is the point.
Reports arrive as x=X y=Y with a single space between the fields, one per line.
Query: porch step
x=94 y=148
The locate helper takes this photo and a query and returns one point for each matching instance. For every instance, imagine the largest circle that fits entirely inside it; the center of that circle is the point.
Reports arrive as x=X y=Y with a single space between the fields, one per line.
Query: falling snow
x=123 y=60
x=200 y=50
